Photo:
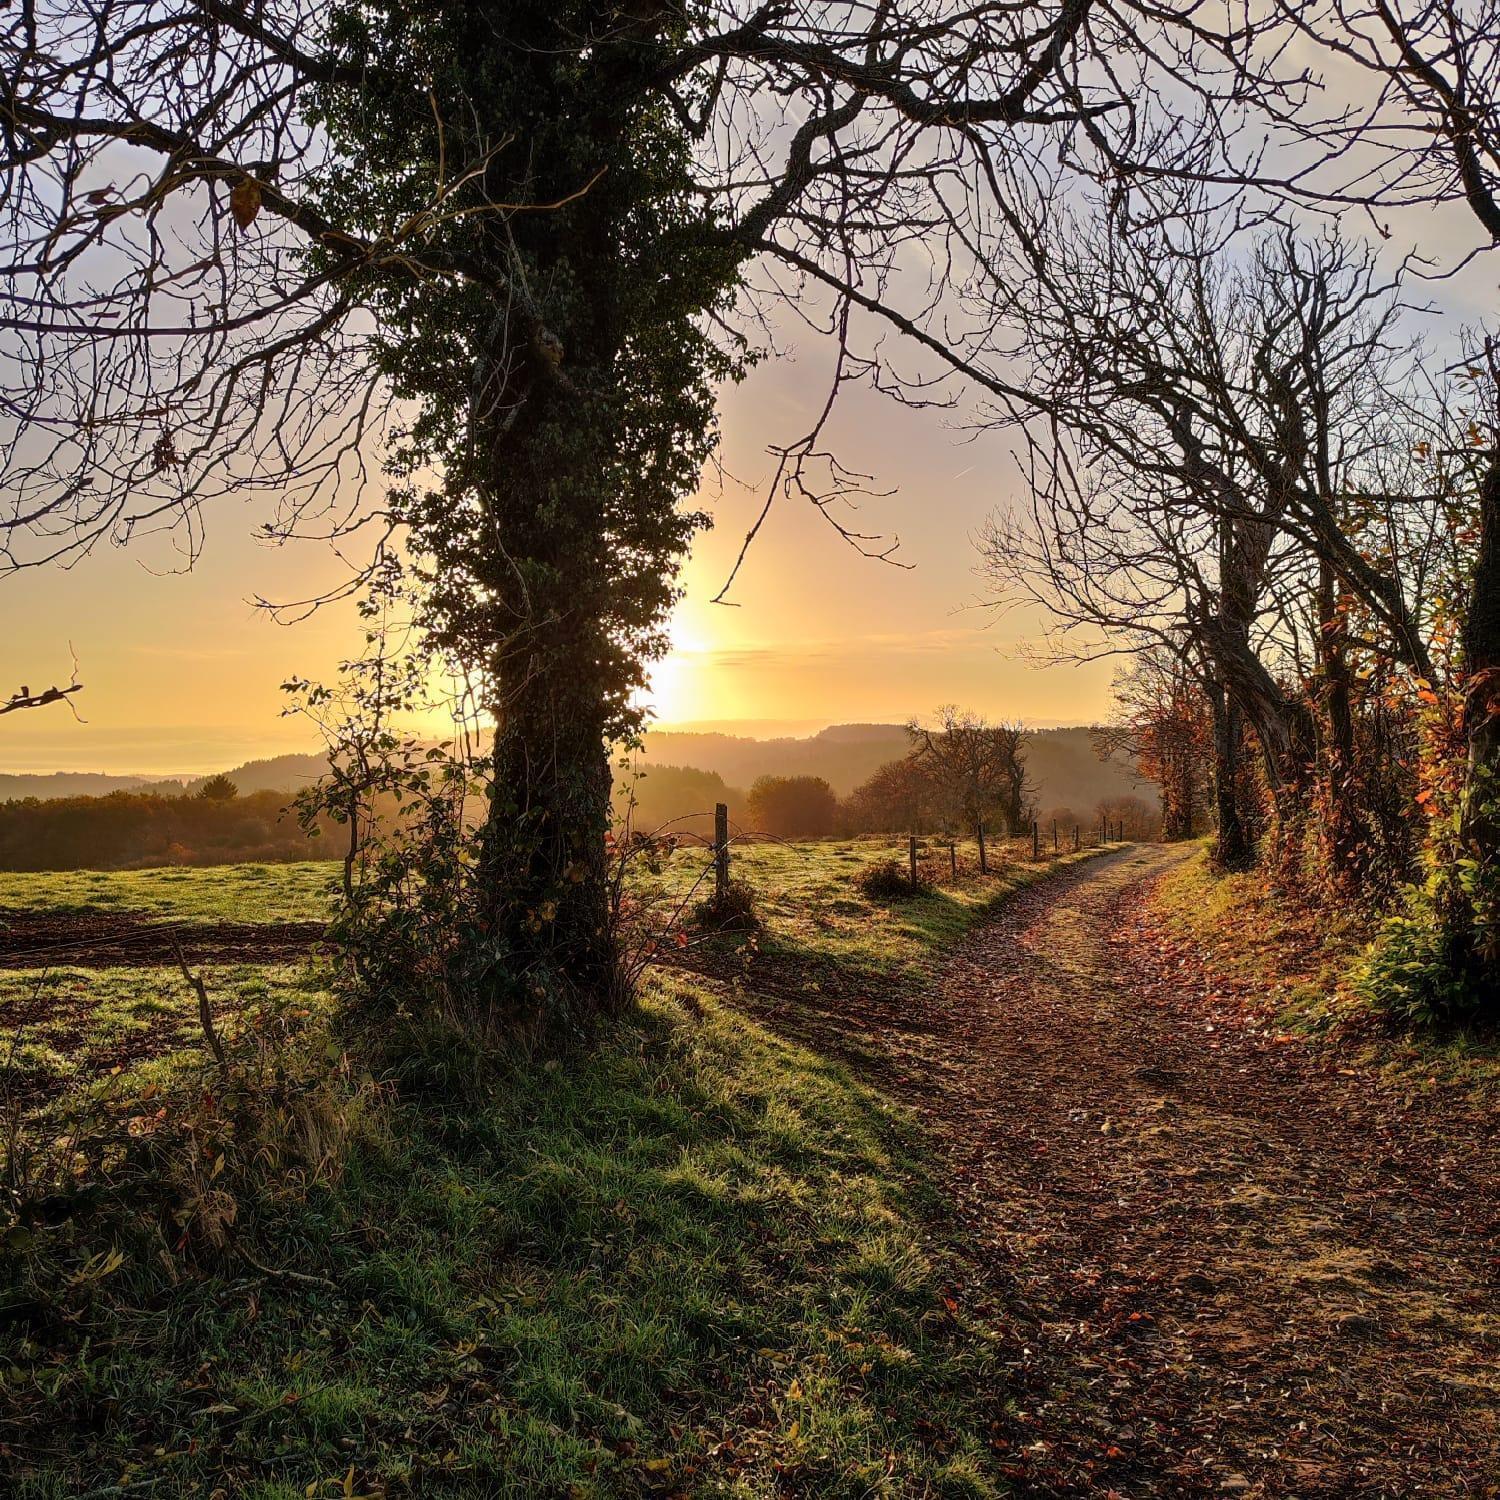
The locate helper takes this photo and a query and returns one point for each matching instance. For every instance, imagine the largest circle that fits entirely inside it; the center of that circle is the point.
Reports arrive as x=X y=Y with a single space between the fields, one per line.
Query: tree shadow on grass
x=690 y=1257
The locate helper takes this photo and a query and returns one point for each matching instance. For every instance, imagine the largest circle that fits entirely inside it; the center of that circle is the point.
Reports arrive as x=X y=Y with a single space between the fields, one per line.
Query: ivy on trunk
x=554 y=435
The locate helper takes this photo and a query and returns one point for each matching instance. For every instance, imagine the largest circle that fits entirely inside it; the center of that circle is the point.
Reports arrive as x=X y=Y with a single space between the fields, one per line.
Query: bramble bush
x=890 y=880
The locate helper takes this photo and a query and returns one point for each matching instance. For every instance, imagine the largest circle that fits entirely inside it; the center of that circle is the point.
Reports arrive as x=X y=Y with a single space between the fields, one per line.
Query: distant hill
x=1065 y=770
x=843 y=755
x=281 y=773
x=55 y=784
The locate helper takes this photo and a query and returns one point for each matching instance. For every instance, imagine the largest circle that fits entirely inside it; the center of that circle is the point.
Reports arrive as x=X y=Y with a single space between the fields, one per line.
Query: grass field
x=692 y=1259
x=792 y=878
x=810 y=906
x=65 y=1026
x=218 y=893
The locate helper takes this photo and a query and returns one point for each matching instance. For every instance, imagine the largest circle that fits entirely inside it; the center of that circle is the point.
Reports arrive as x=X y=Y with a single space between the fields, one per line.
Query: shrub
x=890 y=880
x=1412 y=971
x=734 y=911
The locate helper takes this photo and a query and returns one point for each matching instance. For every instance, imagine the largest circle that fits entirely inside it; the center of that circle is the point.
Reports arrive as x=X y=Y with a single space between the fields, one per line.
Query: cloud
x=884 y=647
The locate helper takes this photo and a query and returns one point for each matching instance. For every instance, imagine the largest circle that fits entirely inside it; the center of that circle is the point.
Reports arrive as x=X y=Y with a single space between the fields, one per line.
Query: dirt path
x=1242 y=1265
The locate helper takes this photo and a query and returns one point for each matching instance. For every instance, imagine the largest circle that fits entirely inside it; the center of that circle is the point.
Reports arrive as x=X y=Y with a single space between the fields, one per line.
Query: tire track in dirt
x=44 y=939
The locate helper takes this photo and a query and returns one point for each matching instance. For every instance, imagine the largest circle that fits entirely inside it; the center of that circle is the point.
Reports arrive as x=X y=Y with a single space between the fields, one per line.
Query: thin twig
x=205 y=1013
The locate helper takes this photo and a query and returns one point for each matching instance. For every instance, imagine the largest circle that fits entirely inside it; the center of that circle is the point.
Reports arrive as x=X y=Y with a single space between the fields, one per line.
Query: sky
x=182 y=673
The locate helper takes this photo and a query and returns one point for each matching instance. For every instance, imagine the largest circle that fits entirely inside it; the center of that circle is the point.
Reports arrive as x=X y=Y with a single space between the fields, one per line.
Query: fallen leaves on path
x=1224 y=1260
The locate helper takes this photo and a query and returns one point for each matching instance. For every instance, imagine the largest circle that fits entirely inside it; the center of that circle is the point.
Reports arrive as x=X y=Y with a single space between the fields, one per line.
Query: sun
x=675 y=688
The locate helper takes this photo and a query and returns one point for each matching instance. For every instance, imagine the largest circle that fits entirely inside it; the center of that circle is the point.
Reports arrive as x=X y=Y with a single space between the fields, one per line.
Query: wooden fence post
x=1054 y=836
x=1036 y=852
x=984 y=864
x=1076 y=844
x=721 y=851
x=911 y=852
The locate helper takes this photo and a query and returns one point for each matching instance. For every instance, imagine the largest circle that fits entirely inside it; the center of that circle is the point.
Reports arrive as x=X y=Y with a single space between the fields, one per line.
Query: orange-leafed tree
x=1163 y=723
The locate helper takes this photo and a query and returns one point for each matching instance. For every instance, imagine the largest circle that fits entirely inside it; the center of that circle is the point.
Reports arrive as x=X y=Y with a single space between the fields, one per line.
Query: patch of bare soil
x=42 y=940
x=1227 y=1261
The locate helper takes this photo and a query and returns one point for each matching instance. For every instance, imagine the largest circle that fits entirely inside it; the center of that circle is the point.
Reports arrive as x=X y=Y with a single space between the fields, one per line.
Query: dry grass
x=1293 y=958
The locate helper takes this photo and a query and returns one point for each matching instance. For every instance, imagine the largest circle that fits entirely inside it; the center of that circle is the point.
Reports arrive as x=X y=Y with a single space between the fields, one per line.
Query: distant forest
x=130 y=830
x=682 y=774
x=72 y=821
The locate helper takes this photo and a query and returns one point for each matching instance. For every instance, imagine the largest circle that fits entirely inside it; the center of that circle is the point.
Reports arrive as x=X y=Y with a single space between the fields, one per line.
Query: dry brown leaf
x=244 y=201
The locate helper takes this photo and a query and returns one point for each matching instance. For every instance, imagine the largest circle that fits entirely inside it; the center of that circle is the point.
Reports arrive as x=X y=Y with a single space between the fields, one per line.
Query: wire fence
x=44 y=938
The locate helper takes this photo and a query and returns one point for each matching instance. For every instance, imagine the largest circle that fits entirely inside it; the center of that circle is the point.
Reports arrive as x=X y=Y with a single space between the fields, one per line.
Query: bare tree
x=1429 y=134
x=469 y=276
x=1217 y=424
x=980 y=766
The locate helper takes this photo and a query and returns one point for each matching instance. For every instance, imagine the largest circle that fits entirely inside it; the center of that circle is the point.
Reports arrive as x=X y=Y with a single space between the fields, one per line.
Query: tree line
x=944 y=786
x=131 y=830
x=962 y=776
x=1283 y=506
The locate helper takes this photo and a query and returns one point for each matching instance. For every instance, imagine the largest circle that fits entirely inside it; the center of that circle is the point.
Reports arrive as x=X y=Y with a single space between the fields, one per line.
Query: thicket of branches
x=1247 y=473
x=973 y=774
x=453 y=286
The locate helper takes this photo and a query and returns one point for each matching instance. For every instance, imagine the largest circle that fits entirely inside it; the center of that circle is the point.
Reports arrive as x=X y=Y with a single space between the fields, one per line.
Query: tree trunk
x=1340 y=823
x=558 y=679
x=1177 y=792
x=1234 y=847
x=1283 y=726
x=545 y=868
x=557 y=683
x=1474 y=937
x=570 y=609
